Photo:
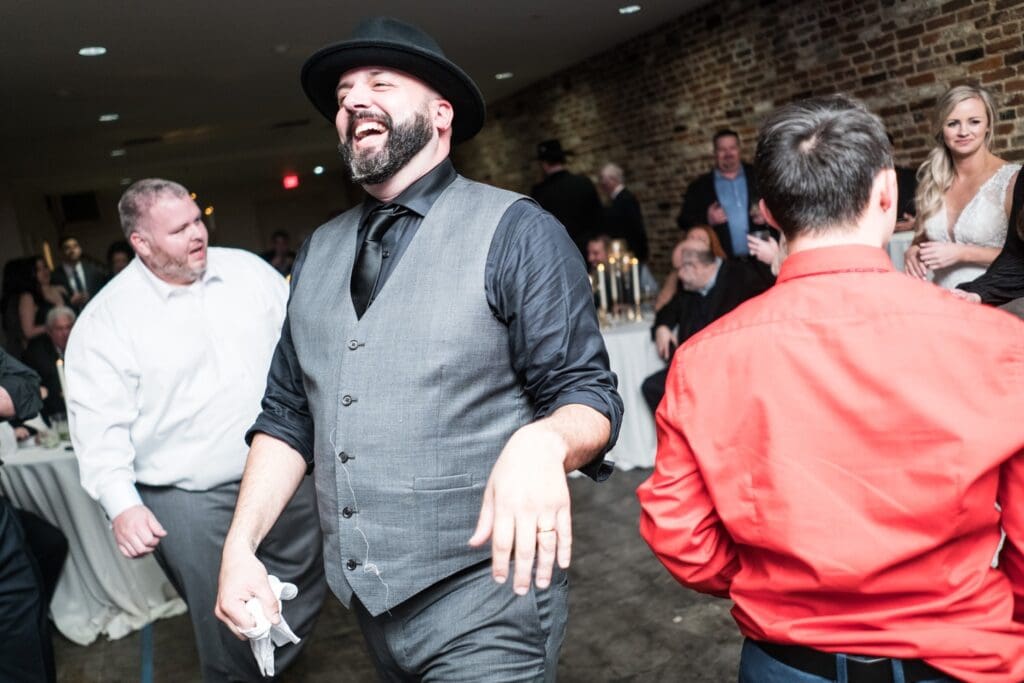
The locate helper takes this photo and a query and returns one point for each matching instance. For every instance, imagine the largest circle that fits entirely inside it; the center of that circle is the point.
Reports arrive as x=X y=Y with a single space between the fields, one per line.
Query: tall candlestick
x=611 y=279
x=60 y=376
x=602 y=296
x=636 y=281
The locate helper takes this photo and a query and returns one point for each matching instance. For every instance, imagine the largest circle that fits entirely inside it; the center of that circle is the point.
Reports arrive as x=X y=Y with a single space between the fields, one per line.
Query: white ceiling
x=211 y=78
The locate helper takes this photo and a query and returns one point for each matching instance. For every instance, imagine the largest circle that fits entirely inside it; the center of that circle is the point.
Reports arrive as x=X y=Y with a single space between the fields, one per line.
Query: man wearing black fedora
x=439 y=372
x=571 y=198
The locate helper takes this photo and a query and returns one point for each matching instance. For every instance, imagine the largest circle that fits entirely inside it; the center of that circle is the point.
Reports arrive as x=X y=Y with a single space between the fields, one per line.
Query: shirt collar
x=718 y=175
x=422 y=194
x=165 y=290
x=714 y=278
x=847 y=258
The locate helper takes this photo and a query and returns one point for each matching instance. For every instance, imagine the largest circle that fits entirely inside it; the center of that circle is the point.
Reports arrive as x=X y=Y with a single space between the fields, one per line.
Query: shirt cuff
x=266 y=424
x=118 y=497
x=597 y=469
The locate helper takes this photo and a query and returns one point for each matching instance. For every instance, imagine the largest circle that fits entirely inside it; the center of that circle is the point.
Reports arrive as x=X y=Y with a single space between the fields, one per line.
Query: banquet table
x=633 y=358
x=100 y=591
x=897 y=247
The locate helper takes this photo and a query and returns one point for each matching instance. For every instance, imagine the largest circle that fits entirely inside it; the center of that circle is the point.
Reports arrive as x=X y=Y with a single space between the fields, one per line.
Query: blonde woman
x=963 y=194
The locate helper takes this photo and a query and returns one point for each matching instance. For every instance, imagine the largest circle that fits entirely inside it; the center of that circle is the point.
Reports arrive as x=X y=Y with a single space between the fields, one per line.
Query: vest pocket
x=455 y=481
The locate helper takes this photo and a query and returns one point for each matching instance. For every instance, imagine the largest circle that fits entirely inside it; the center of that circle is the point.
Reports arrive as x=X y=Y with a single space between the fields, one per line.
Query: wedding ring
x=544 y=531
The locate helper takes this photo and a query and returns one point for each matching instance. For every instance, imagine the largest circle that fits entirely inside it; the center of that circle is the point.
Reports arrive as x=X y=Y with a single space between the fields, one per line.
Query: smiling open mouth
x=367 y=129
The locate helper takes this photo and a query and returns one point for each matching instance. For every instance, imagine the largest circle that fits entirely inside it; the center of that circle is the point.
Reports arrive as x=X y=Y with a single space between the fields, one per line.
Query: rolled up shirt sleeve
x=284 y=412
x=537 y=285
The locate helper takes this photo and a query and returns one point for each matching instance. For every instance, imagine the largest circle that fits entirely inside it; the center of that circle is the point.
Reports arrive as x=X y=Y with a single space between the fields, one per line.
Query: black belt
x=823 y=664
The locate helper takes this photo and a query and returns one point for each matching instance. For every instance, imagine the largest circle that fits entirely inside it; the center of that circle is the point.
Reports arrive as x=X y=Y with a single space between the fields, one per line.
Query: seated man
x=26 y=652
x=837 y=456
x=711 y=287
x=44 y=351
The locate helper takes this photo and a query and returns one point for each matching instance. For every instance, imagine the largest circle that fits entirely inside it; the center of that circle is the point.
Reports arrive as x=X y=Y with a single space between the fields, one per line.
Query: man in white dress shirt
x=165 y=372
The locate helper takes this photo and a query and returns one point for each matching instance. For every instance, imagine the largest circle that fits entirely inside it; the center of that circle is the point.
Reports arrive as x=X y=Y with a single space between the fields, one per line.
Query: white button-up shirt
x=163 y=380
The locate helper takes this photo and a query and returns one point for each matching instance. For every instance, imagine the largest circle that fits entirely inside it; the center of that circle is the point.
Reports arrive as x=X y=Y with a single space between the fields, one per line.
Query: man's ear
x=139 y=244
x=768 y=217
x=888 y=190
x=444 y=114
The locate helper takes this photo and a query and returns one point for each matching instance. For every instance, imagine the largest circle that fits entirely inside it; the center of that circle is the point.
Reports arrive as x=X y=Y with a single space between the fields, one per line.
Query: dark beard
x=404 y=142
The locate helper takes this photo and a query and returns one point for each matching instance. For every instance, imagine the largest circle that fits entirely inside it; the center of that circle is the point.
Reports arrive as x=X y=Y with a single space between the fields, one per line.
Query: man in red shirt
x=834 y=454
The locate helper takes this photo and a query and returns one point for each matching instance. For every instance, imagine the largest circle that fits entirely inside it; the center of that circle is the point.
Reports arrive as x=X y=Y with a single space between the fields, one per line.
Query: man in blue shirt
x=725 y=198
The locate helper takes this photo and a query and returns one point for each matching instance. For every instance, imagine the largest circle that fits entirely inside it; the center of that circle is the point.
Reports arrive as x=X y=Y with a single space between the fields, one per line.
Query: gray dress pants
x=197 y=523
x=467 y=628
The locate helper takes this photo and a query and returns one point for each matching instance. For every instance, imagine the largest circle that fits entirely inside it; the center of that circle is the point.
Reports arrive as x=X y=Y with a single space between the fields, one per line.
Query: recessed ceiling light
x=93 y=51
x=318 y=170
x=208 y=211
x=107 y=118
x=504 y=75
x=117 y=152
x=629 y=9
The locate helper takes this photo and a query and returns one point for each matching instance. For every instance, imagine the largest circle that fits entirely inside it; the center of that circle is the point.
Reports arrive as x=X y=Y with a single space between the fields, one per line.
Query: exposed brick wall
x=652 y=103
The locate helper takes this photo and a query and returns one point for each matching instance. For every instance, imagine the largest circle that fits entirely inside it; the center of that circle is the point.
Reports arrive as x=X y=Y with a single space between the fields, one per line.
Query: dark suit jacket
x=572 y=199
x=41 y=355
x=623 y=220
x=688 y=312
x=1004 y=280
x=700 y=194
x=95 y=278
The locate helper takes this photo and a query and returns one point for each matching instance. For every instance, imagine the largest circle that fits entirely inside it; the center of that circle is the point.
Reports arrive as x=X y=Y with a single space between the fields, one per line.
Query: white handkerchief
x=264 y=636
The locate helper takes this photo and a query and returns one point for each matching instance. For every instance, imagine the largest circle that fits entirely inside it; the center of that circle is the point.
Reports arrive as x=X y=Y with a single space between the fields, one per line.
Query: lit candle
x=47 y=255
x=601 y=294
x=60 y=376
x=636 y=281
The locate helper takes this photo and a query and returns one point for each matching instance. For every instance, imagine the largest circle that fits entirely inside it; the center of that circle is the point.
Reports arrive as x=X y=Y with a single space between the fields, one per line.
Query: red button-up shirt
x=830 y=456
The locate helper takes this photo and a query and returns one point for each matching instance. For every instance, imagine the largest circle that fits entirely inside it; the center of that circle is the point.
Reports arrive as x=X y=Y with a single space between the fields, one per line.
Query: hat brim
x=321 y=72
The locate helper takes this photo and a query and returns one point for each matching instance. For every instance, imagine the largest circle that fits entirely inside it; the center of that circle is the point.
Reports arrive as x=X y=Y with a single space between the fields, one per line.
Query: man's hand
x=665 y=339
x=940 y=254
x=972 y=297
x=243 y=577
x=716 y=214
x=912 y=264
x=765 y=251
x=137 y=531
x=79 y=299
x=526 y=505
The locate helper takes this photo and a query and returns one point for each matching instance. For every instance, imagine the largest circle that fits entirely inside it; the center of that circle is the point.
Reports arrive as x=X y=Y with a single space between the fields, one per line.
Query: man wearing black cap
x=439 y=371
x=571 y=198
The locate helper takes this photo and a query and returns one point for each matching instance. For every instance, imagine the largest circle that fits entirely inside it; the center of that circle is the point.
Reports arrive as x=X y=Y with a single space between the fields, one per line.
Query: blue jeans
x=758 y=667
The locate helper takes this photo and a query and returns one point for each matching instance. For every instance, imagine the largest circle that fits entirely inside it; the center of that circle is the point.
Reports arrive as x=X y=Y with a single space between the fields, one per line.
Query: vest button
x=351 y=564
x=346 y=400
x=347 y=512
x=353 y=345
x=344 y=457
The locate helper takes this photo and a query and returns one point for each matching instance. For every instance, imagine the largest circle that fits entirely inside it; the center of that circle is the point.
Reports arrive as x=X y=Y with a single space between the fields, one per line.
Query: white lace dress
x=982 y=223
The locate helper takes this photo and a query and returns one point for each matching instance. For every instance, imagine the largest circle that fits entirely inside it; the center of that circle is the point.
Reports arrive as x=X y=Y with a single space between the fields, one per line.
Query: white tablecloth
x=100 y=591
x=633 y=358
x=898 y=246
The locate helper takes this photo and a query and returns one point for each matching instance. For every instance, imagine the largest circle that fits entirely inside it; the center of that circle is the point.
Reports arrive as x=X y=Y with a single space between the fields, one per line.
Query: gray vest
x=412 y=404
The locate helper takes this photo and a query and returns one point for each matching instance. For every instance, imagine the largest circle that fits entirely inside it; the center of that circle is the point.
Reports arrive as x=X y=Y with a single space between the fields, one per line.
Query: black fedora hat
x=386 y=42
x=551 y=151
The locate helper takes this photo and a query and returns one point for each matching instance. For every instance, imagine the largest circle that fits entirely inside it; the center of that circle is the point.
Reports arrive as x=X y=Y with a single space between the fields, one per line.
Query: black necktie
x=368 y=262
x=77 y=283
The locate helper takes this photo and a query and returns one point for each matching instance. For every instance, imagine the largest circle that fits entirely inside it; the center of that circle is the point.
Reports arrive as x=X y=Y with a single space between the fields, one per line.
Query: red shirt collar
x=848 y=258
